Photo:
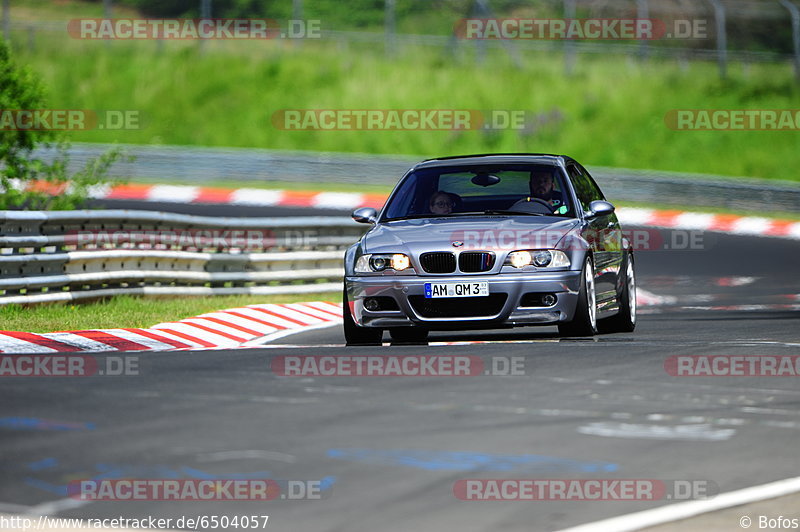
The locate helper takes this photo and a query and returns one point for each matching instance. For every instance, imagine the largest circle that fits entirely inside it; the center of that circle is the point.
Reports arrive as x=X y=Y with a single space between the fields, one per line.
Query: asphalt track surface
x=390 y=449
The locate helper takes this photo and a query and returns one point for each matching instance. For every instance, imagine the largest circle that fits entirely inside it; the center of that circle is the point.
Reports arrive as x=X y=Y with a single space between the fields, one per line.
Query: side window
x=405 y=199
x=597 y=193
x=583 y=187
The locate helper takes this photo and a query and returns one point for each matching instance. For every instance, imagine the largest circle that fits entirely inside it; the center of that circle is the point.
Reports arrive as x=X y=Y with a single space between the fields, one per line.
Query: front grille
x=458 y=307
x=475 y=261
x=438 y=262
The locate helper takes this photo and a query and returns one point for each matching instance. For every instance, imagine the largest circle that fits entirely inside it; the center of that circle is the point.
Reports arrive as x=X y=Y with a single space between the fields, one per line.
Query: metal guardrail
x=70 y=255
x=198 y=165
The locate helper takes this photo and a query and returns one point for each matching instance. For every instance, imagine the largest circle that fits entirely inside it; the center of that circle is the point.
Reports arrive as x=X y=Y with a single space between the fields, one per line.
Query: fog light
x=371 y=304
x=548 y=300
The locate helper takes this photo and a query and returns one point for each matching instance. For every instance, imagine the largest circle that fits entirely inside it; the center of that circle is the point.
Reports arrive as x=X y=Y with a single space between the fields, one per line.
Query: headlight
x=541 y=258
x=378 y=263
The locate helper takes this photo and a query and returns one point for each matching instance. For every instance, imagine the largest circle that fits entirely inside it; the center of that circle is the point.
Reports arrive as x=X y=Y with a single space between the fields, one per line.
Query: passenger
x=441 y=203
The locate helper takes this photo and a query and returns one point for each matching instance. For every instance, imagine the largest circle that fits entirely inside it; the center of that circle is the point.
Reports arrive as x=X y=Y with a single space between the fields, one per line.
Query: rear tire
x=625 y=320
x=407 y=335
x=584 y=322
x=355 y=334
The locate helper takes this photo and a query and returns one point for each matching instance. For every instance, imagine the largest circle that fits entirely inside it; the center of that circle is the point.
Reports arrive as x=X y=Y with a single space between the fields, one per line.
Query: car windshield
x=453 y=191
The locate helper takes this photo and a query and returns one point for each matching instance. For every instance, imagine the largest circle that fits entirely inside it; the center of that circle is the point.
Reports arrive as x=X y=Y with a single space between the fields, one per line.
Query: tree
x=20 y=89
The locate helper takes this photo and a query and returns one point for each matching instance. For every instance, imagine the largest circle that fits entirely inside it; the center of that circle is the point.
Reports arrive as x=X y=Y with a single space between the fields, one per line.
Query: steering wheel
x=543 y=202
x=524 y=205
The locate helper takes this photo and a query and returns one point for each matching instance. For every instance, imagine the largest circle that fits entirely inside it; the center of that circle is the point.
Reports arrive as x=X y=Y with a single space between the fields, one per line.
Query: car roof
x=495 y=158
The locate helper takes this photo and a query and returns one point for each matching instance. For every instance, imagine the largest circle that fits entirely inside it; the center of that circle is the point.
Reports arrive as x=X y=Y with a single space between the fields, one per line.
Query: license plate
x=456 y=289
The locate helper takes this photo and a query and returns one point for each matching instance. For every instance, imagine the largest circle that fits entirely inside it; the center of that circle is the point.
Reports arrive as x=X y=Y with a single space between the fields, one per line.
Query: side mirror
x=599 y=208
x=365 y=215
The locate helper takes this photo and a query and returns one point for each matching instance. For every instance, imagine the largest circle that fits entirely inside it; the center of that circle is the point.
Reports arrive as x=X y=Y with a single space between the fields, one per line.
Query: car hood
x=489 y=233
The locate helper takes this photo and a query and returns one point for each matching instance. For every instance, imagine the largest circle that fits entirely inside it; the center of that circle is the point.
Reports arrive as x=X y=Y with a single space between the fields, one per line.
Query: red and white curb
x=672 y=219
x=721 y=223
x=315 y=199
x=237 y=327
x=256 y=197
x=251 y=326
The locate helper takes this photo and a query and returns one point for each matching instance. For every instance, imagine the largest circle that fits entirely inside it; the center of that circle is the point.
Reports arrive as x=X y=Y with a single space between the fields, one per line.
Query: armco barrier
x=70 y=255
x=199 y=166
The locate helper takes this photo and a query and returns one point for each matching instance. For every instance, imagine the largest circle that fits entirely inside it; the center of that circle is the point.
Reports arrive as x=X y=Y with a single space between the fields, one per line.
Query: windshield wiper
x=415 y=216
x=470 y=213
x=492 y=211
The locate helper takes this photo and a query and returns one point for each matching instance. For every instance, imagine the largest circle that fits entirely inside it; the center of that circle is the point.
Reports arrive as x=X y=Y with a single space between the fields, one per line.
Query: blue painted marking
x=32 y=423
x=46 y=463
x=467 y=461
x=46 y=486
x=326 y=483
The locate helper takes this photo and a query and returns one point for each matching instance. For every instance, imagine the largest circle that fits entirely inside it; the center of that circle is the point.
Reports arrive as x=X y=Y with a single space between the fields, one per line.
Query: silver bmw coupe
x=488 y=242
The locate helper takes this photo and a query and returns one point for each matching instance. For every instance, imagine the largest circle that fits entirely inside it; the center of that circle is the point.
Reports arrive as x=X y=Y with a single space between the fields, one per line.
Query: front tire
x=355 y=334
x=625 y=320
x=584 y=322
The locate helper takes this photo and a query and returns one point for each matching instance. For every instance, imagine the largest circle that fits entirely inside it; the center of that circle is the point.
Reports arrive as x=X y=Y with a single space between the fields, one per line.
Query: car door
x=603 y=234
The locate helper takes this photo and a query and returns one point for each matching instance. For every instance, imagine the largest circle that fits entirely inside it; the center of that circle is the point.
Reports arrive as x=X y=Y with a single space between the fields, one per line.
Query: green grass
x=131 y=311
x=610 y=113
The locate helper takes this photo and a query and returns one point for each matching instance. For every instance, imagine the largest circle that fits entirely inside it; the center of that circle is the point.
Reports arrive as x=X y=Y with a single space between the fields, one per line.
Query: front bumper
x=564 y=284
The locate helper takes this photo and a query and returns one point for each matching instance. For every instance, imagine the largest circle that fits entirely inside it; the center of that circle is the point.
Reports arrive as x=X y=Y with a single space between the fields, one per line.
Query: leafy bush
x=19 y=169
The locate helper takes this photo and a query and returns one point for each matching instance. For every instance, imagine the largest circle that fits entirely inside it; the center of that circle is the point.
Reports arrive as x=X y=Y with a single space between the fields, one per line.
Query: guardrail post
x=722 y=38
x=7 y=19
x=297 y=14
x=205 y=13
x=643 y=12
x=107 y=14
x=569 y=46
x=390 y=26
x=480 y=9
x=795 y=14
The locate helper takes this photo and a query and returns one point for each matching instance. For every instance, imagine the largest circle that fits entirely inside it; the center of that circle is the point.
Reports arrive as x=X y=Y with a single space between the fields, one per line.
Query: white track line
x=288 y=332
x=684 y=510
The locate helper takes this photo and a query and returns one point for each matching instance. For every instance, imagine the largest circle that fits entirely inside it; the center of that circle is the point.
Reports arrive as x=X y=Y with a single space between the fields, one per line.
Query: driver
x=542 y=187
x=543 y=193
